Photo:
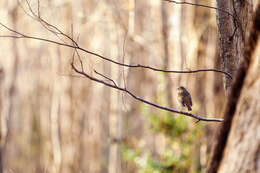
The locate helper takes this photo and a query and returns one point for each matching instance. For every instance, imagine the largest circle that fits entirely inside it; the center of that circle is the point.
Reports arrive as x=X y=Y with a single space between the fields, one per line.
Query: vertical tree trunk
x=237 y=145
x=165 y=35
x=11 y=101
x=225 y=30
x=242 y=151
x=1 y=137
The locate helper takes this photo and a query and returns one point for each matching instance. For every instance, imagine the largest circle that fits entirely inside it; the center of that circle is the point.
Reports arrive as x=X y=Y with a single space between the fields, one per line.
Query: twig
x=106 y=77
x=76 y=46
x=201 y=5
x=197 y=121
x=143 y=100
x=210 y=7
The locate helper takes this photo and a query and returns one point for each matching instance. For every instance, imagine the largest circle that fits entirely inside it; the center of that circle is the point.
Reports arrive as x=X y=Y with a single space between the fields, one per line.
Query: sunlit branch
x=210 y=7
x=106 y=77
x=200 y=118
x=201 y=5
x=114 y=85
x=76 y=46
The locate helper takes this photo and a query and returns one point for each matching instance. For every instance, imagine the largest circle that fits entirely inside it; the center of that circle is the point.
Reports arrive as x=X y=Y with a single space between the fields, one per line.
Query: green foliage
x=180 y=154
x=169 y=125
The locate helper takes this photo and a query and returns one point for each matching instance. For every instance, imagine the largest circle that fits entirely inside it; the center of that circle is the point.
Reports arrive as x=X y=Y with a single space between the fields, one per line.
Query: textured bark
x=232 y=33
x=242 y=152
x=225 y=30
x=241 y=115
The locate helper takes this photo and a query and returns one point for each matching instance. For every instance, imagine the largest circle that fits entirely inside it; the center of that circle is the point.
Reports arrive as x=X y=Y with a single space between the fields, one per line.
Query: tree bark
x=225 y=32
x=242 y=152
x=237 y=144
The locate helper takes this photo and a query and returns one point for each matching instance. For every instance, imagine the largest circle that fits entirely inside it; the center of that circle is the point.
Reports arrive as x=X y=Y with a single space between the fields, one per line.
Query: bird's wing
x=183 y=102
x=190 y=100
x=180 y=100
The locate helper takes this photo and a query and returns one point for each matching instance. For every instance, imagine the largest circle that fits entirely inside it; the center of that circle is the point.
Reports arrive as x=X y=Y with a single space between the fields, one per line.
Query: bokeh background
x=53 y=120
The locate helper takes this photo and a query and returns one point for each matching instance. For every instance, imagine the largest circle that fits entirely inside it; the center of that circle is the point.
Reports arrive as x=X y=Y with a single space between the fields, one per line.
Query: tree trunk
x=237 y=147
x=225 y=32
x=242 y=152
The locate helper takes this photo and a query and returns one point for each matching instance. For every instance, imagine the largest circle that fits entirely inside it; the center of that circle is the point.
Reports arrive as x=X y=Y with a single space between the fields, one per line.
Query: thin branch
x=76 y=46
x=197 y=121
x=53 y=29
x=201 y=5
x=143 y=100
x=106 y=77
x=210 y=7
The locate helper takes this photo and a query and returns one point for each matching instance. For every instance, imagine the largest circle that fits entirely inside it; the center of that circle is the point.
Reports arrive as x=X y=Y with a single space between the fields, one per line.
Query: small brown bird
x=184 y=98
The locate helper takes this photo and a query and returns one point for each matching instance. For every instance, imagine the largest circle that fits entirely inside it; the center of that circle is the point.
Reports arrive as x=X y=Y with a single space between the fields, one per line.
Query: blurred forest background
x=52 y=120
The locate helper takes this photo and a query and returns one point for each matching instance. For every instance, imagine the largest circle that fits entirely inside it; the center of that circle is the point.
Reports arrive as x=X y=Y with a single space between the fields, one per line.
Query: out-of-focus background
x=53 y=120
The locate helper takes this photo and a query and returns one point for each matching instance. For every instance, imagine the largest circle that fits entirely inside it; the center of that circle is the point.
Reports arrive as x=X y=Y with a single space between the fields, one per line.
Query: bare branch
x=201 y=5
x=106 y=77
x=76 y=46
x=53 y=29
x=215 y=8
x=200 y=118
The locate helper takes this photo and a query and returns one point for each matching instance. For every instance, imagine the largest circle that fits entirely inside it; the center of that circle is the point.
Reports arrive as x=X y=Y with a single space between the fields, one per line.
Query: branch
x=200 y=118
x=106 y=77
x=76 y=46
x=201 y=5
x=210 y=7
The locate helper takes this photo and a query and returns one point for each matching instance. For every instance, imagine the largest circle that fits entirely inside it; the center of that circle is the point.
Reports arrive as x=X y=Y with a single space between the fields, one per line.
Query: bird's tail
x=189 y=108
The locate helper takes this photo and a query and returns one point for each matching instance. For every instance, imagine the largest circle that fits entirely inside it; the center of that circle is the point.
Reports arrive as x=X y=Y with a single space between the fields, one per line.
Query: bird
x=184 y=98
